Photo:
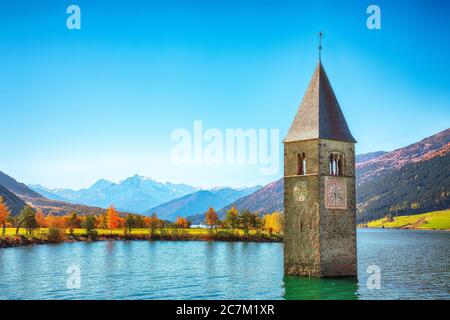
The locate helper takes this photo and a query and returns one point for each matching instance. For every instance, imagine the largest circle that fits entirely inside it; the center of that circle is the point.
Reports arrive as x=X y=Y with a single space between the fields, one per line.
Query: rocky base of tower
x=301 y=270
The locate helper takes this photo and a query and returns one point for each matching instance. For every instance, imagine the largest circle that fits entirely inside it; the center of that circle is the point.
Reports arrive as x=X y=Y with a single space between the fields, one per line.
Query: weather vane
x=320 y=45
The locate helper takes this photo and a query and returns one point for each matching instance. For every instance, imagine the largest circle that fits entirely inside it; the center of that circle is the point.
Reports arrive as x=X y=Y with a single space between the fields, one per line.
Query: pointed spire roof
x=319 y=115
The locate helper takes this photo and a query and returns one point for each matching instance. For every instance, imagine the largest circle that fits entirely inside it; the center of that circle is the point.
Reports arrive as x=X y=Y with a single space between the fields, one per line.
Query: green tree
x=129 y=223
x=27 y=219
x=246 y=221
x=257 y=223
x=89 y=226
x=231 y=219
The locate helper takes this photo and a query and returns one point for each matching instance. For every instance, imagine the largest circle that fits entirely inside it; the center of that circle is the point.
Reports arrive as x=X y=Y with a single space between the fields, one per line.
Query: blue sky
x=103 y=101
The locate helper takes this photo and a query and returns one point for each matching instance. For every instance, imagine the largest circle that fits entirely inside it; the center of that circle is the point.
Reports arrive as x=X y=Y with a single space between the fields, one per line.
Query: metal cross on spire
x=320 y=45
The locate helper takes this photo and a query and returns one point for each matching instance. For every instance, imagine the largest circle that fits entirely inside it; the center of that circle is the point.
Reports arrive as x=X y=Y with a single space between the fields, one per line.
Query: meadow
x=436 y=220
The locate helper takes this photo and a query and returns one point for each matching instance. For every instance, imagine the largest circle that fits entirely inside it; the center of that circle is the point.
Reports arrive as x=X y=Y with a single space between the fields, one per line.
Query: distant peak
x=101 y=183
x=141 y=177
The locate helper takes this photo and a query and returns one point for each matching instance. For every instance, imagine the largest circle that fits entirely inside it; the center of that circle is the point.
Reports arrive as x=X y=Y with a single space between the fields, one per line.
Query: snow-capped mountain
x=139 y=194
x=136 y=193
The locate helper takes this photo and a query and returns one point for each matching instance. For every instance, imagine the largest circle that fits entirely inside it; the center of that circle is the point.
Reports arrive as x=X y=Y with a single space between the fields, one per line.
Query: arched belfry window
x=336 y=164
x=301 y=164
x=331 y=164
x=340 y=165
x=304 y=163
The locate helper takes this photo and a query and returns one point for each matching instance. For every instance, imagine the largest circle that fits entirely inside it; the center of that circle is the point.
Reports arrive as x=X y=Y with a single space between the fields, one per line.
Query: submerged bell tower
x=319 y=186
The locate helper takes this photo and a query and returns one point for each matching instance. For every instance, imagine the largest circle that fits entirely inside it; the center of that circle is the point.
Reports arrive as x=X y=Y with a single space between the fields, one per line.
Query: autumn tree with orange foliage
x=56 y=221
x=181 y=222
x=40 y=218
x=4 y=214
x=113 y=218
x=211 y=218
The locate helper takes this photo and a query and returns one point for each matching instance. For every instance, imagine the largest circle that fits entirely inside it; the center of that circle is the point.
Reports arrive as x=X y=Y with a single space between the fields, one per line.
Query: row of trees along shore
x=56 y=226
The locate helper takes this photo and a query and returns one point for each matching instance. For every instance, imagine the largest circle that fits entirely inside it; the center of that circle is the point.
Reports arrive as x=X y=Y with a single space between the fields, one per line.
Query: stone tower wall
x=302 y=237
x=318 y=241
x=338 y=226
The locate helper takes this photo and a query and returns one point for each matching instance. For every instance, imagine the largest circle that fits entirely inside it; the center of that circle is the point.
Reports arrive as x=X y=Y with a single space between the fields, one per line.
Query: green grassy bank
x=437 y=220
x=40 y=236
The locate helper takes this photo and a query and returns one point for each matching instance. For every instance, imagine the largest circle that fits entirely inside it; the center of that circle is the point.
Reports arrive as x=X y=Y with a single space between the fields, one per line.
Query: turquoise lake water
x=413 y=265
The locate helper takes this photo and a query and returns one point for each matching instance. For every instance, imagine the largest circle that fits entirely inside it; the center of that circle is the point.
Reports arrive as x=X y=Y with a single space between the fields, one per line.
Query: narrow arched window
x=331 y=163
x=301 y=164
x=340 y=165
x=333 y=166
x=304 y=163
x=336 y=164
x=336 y=159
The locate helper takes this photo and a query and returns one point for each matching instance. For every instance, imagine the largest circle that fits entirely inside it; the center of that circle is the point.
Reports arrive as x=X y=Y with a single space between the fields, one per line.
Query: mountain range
x=370 y=167
x=13 y=202
x=17 y=195
x=139 y=194
x=134 y=194
x=409 y=180
x=199 y=202
x=264 y=200
x=369 y=156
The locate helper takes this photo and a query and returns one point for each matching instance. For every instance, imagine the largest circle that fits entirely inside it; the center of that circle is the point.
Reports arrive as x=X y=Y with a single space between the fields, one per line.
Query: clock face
x=300 y=191
x=336 y=193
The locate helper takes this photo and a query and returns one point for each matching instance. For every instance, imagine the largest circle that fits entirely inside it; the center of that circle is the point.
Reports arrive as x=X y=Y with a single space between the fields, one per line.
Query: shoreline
x=432 y=221
x=22 y=241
